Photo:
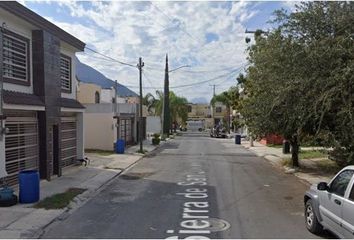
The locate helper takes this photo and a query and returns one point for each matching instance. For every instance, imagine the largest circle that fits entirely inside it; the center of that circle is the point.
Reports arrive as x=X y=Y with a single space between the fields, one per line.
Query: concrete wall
x=2 y=155
x=109 y=108
x=80 y=135
x=153 y=124
x=86 y=92
x=199 y=110
x=99 y=136
x=23 y=28
x=107 y=95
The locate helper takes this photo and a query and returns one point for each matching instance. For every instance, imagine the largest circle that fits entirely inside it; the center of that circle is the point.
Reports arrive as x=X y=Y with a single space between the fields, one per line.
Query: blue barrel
x=29 y=186
x=237 y=139
x=120 y=145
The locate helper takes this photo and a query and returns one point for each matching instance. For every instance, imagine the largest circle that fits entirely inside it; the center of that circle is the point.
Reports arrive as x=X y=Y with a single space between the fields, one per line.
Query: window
x=351 y=195
x=189 y=109
x=65 y=73
x=218 y=109
x=97 y=97
x=15 y=51
x=340 y=183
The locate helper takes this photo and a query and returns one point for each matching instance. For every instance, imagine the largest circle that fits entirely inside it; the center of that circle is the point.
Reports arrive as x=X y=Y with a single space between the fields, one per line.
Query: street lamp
x=184 y=66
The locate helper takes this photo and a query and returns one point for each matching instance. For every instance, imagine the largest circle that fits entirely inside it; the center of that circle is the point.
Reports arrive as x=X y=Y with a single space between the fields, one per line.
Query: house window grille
x=65 y=73
x=21 y=147
x=15 y=58
x=218 y=109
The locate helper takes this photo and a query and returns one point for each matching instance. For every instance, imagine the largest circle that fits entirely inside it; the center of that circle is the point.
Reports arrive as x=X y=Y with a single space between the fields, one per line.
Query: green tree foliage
x=230 y=99
x=178 y=106
x=300 y=81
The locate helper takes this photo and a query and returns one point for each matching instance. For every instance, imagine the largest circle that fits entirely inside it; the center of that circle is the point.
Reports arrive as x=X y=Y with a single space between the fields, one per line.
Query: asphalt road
x=193 y=186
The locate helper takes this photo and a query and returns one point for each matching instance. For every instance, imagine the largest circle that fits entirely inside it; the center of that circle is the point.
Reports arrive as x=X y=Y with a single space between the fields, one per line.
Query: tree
x=178 y=108
x=230 y=99
x=301 y=76
x=178 y=105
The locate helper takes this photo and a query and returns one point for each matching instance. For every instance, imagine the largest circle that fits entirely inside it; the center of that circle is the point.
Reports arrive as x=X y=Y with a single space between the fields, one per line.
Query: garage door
x=21 y=146
x=68 y=141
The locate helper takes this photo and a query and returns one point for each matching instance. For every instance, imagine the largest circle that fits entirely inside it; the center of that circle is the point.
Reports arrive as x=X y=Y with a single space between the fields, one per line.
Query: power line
x=209 y=80
x=171 y=20
x=150 y=82
x=112 y=59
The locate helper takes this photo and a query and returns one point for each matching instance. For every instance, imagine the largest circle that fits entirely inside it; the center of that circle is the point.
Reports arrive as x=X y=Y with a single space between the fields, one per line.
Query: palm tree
x=178 y=106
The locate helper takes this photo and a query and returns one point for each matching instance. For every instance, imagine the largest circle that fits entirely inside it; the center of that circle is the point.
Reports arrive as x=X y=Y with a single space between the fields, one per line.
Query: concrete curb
x=83 y=198
x=275 y=160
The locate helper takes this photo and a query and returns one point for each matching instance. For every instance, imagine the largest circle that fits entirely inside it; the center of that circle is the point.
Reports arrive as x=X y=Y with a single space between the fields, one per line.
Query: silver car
x=331 y=206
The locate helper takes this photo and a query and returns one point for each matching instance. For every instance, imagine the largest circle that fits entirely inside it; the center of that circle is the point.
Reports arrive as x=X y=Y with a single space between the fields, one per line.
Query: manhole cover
x=215 y=224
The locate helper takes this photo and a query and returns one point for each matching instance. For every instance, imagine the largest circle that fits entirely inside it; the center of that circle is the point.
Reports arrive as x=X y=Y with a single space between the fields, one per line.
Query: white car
x=331 y=206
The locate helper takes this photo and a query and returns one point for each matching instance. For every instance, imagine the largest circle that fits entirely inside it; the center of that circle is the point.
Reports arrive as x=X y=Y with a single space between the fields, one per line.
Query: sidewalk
x=275 y=156
x=24 y=221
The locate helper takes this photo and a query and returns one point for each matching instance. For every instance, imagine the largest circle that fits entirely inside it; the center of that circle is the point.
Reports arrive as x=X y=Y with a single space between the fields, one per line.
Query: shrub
x=156 y=139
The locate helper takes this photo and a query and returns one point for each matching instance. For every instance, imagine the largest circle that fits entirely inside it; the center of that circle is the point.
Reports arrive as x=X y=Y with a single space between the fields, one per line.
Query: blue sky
x=208 y=36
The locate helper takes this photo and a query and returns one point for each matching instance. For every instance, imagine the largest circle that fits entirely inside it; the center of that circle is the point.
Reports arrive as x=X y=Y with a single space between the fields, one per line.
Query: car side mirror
x=322 y=186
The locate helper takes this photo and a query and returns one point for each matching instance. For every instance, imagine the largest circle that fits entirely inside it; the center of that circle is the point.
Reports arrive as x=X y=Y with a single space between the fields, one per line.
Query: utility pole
x=213 y=89
x=140 y=67
x=116 y=112
x=166 y=103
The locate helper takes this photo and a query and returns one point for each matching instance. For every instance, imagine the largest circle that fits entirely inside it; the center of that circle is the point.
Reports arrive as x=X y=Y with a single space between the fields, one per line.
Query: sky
x=207 y=37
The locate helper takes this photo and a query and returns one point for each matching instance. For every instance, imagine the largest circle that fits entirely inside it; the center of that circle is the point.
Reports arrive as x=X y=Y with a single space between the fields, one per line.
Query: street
x=193 y=186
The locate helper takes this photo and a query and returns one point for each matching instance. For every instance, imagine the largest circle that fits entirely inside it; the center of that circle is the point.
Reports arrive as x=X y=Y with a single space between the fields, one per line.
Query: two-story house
x=42 y=118
x=219 y=113
x=200 y=112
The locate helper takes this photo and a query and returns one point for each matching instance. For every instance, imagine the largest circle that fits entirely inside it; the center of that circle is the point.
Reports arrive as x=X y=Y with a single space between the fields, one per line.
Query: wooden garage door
x=68 y=141
x=21 y=146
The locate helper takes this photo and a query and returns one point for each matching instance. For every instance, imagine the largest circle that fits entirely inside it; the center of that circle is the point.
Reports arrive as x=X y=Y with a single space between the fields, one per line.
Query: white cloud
x=128 y=30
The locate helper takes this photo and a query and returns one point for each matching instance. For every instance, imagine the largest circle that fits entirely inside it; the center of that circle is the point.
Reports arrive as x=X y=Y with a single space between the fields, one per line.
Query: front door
x=331 y=201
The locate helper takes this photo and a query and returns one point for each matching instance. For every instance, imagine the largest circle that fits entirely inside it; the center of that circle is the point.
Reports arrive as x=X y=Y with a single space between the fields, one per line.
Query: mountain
x=87 y=74
x=199 y=100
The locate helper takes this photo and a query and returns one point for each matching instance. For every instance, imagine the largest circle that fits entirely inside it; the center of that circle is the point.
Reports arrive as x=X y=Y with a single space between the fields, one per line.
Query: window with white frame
x=65 y=73
x=15 y=50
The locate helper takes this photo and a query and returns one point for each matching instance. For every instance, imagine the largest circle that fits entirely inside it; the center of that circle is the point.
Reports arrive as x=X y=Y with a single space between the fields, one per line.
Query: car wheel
x=312 y=224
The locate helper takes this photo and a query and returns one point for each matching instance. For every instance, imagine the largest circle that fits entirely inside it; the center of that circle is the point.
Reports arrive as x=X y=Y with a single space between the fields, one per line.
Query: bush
x=342 y=156
x=156 y=139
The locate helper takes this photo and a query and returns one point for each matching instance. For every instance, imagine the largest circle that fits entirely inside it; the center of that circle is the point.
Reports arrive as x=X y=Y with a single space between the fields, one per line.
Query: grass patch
x=59 y=200
x=100 y=152
x=275 y=145
x=286 y=162
x=142 y=152
x=328 y=166
x=313 y=154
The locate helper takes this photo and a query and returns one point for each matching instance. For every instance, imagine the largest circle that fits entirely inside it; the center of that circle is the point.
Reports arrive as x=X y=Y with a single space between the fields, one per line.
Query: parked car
x=218 y=132
x=331 y=205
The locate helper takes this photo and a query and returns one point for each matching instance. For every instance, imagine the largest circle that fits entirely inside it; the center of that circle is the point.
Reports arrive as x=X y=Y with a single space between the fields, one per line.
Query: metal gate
x=21 y=146
x=68 y=141
x=126 y=130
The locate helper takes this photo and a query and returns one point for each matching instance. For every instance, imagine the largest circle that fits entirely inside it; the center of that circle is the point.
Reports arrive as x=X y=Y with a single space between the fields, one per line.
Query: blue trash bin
x=237 y=139
x=29 y=186
x=120 y=145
